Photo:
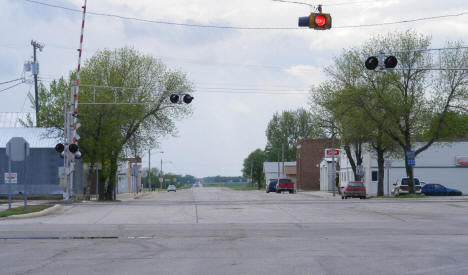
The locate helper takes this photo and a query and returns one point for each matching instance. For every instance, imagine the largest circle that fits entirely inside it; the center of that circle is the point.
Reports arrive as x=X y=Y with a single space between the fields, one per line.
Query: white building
x=445 y=163
x=274 y=170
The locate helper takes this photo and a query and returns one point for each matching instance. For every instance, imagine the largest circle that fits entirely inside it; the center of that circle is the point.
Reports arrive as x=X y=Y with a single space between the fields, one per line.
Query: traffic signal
x=177 y=98
x=389 y=62
x=316 y=21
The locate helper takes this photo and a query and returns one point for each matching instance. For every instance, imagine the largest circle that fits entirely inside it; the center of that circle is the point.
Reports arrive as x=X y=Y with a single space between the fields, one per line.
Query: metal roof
x=36 y=137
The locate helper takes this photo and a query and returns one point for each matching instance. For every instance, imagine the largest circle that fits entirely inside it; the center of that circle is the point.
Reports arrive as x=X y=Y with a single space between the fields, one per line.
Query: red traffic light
x=320 y=20
x=317 y=21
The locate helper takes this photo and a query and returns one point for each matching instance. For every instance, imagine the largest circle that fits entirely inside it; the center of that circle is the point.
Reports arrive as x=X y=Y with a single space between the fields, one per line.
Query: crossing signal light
x=316 y=21
x=174 y=98
x=73 y=148
x=59 y=148
x=389 y=62
x=372 y=63
x=188 y=99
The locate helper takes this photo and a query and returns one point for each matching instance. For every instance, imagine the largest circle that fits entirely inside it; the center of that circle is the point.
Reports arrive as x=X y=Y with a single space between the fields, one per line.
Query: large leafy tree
x=253 y=167
x=283 y=131
x=139 y=114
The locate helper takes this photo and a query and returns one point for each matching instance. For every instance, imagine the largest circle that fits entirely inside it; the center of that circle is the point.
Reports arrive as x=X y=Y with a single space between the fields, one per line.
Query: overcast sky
x=233 y=70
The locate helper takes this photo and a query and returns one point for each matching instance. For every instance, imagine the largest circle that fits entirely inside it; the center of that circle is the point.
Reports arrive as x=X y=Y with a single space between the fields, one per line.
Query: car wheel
x=342 y=197
x=291 y=191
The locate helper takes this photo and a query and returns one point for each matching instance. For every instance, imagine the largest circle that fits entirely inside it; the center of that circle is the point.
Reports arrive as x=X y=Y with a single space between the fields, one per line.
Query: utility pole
x=251 y=173
x=149 y=169
x=333 y=160
x=161 y=176
x=282 y=158
x=35 y=71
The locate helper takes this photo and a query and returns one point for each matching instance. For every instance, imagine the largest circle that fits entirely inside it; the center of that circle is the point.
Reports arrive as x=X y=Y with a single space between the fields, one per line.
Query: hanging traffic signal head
x=316 y=21
x=188 y=99
x=59 y=148
x=174 y=98
x=372 y=63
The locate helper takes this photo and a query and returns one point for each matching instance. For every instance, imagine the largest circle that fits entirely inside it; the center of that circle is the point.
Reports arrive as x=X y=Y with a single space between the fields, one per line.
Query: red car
x=284 y=184
x=354 y=189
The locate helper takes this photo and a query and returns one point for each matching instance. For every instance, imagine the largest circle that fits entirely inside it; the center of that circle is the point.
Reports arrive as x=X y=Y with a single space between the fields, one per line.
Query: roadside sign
x=411 y=162
x=360 y=170
x=388 y=164
x=330 y=151
x=161 y=180
x=13 y=179
x=17 y=149
x=410 y=154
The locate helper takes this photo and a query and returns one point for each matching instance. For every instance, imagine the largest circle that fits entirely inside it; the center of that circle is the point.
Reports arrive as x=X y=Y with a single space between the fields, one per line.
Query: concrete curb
x=44 y=212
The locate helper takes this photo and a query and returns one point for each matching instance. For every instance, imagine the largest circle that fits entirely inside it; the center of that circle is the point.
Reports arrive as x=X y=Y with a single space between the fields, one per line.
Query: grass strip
x=20 y=210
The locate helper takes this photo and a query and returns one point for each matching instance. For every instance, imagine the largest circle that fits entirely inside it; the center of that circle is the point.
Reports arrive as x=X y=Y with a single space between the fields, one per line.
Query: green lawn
x=20 y=210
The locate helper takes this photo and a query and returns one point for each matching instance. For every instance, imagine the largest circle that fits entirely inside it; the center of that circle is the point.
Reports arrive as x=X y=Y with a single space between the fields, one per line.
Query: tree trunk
x=381 y=171
x=351 y=160
x=110 y=194
x=410 y=174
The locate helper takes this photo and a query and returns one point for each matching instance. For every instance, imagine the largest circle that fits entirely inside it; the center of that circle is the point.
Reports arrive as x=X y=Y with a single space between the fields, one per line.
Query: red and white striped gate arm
x=77 y=84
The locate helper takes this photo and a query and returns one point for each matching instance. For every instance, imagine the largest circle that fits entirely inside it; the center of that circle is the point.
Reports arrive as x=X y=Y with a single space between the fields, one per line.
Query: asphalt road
x=221 y=231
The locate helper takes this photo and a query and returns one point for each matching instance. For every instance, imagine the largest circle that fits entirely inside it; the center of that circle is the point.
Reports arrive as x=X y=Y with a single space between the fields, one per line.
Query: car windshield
x=406 y=180
x=355 y=184
x=285 y=181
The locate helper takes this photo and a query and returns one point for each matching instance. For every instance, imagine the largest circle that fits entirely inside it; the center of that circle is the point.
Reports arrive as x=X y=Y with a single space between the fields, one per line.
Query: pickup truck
x=284 y=184
x=401 y=187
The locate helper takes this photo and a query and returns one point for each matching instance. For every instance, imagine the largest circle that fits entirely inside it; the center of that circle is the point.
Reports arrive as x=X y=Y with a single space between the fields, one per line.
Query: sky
x=241 y=77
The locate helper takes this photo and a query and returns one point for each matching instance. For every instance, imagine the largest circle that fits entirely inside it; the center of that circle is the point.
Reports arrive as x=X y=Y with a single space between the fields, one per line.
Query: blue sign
x=410 y=154
x=411 y=162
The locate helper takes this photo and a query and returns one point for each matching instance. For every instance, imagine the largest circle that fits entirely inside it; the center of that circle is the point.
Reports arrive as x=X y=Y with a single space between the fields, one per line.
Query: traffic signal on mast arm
x=179 y=98
x=384 y=62
x=316 y=21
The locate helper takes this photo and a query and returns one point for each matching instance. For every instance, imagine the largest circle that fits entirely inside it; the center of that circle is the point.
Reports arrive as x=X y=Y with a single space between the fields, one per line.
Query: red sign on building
x=461 y=160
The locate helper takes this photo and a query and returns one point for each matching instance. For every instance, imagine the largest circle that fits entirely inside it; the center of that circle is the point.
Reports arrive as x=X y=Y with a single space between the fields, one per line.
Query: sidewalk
x=16 y=203
x=319 y=194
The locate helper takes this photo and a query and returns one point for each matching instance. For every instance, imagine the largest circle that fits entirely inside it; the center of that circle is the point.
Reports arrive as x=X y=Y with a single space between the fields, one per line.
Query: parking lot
x=222 y=231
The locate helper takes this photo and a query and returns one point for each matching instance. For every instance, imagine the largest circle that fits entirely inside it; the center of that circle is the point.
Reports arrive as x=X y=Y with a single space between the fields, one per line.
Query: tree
x=253 y=167
x=284 y=130
x=125 y=129
x=417 y=102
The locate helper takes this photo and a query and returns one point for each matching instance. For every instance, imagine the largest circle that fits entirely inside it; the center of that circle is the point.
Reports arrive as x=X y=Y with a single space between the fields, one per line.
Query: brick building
x=310 y=152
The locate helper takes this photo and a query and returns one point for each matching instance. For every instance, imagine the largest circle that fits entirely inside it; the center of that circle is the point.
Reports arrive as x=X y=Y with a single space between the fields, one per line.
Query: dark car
x=271 y=186
x=433 y=189
x=354 y=189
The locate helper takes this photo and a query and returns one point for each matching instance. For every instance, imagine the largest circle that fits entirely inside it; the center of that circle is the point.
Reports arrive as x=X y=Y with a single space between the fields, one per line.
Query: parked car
x=271 y=186
x=284 y=184
x=433 y=189
x=354 y=189
x=171 y=188
x=401 y=187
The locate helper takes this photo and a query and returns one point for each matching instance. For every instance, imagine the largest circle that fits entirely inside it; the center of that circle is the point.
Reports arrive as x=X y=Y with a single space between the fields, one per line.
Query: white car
x=401 y=187
x=171 y=188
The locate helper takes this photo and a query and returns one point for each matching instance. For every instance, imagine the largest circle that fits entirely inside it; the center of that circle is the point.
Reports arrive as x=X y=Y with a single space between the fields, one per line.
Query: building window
x=374 y=175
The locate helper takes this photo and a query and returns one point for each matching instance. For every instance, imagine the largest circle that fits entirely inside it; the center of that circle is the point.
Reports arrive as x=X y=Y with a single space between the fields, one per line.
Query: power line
x=11 y=87
x=1 y=83
x=246 y=28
